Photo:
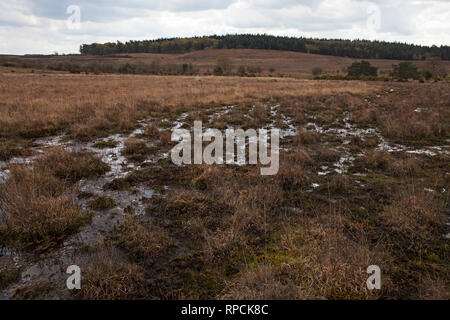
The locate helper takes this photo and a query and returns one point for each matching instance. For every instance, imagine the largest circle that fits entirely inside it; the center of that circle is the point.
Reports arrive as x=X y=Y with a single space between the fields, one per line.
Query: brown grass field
x=86 y=179
x=283 y=62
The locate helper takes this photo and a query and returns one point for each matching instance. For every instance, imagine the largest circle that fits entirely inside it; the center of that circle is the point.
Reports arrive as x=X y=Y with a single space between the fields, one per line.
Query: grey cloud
x=104 y=10
x=24 y=23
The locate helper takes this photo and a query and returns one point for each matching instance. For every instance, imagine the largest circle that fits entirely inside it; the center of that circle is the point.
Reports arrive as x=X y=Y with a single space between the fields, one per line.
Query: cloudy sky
x=47 y=26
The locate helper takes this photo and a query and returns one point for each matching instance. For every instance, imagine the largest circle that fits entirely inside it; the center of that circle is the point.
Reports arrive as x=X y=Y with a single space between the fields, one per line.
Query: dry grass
x=8 y=277
x=9 y=150
x=339 y=183
x=34 y=292
x=110 y=277
x=71 y=165
x=105 y=144
x=135 y=149
x=227 y=231
x=300 y=157
x=291 y=177
x=260 y=284
x=142 y=242
x=102 y=203
x=333 y=257
x=412 y=217
x=414 y=116
x=165 y=139
x=434 y=289
x=259 y=116
x=307 y=137
x=328 y=155
x=395 y=165
x=37 y=209
x=92 y=106
x=151 y=130
x=285 y=62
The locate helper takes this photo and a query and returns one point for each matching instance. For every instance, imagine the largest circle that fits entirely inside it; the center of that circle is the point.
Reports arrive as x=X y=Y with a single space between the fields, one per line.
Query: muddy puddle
x=38 y=268
x=350 y=130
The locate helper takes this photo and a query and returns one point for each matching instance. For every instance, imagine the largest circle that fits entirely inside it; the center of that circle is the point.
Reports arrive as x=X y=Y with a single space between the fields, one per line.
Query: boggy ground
x=86 y=179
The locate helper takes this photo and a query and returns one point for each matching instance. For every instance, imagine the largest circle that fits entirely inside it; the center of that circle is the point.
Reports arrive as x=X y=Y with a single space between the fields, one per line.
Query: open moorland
x=86 y=179
x=266 y=62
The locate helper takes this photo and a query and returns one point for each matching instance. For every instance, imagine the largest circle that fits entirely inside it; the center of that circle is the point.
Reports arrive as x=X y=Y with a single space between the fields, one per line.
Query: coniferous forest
x=359 y=49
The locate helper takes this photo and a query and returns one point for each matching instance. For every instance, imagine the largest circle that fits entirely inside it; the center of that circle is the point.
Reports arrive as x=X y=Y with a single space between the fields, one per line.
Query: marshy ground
x=86 y=179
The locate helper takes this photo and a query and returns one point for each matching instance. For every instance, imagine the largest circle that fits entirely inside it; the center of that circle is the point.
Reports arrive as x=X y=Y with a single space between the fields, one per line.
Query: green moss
x=32 y=293
x=85 y=195
x=8 y=277
x=203 y=285
x=105 y=144
x=102 y=203
x=83 y=249
x=49 y=234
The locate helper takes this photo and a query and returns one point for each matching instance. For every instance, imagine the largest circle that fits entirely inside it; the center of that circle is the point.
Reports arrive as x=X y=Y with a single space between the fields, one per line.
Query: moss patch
x=8 y=277
x=102 y=203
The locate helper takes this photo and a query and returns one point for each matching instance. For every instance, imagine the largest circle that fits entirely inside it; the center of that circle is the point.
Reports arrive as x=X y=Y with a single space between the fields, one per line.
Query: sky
x=48 y=26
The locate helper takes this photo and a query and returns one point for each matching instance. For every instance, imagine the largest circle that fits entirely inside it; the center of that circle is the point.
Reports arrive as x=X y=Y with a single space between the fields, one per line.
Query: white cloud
x=38 y=26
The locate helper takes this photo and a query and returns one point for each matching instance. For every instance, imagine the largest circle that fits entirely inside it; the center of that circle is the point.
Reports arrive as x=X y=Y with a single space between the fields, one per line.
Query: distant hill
x=358 y=49
x=269 y=61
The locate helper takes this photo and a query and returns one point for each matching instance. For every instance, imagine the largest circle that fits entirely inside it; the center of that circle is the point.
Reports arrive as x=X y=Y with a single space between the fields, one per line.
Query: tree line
x=359 y=49
x=363 y=70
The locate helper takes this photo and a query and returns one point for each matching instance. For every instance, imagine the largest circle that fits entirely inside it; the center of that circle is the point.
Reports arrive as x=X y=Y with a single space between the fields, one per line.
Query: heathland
x=86 y=179
x=254 y=62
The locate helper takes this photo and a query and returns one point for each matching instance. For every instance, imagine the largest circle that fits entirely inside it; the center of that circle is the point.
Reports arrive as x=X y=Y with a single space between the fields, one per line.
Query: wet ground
x=48 y=264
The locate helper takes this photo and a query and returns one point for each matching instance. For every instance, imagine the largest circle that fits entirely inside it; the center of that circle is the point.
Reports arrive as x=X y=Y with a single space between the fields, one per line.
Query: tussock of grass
x=328 y=155
x=111 y=277
x=413 y=217
x=260 y=284
x=135 y=149
x=292 y=177
x=301 y=157
x=34 y=292
x=37 y=209
x=165 y=138
x=8 y=277
x=209 y=176
x=102 y=203
x=71 y=165
x=306 y=137
x=332 y=259
x=141 y=241
x=190 y=203
x=105 y=144
x=340 y=183
x=151 y=130
x=9 y=150
x=394 y=165
x=434 y=289
x=260 y=115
